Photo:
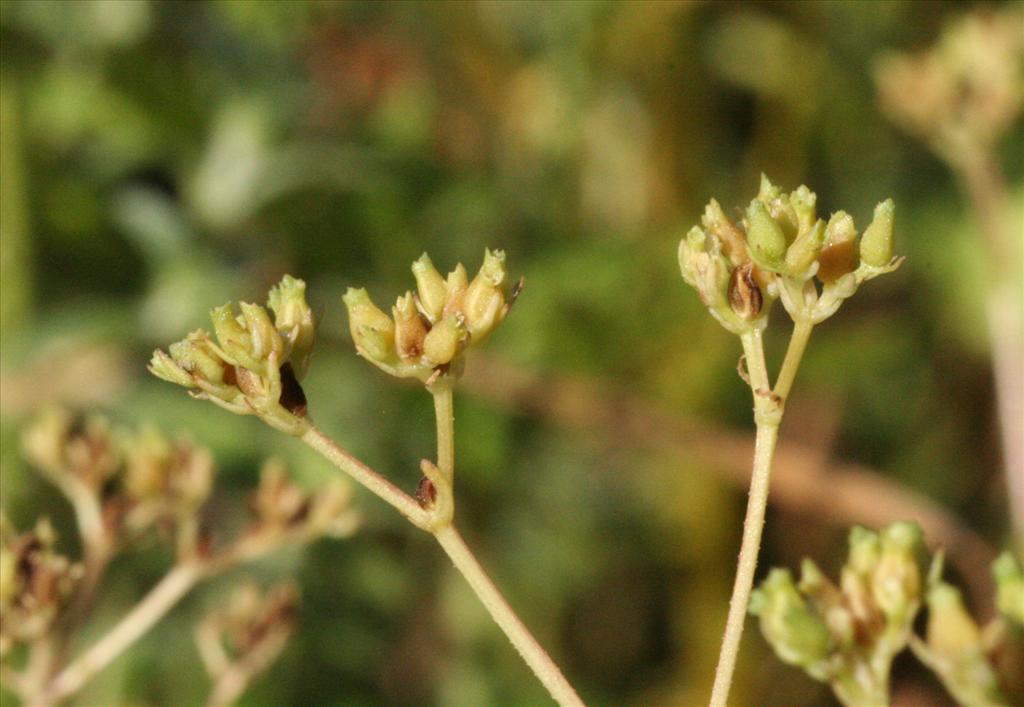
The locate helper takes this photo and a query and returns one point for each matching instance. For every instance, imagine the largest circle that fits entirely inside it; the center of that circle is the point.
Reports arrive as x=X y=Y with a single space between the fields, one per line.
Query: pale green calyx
x=782 y=250
x=765 y=240
x=876 y=243
x=255 y=365
x=796 y=632
x=430 y=329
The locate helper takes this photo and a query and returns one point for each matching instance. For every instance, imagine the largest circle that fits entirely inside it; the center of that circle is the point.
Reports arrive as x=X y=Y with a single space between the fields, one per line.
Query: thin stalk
x=535 y=656
x=445 y=414
x=794 y=354
x=767 y=415
x=367 y=477
x=137 y=622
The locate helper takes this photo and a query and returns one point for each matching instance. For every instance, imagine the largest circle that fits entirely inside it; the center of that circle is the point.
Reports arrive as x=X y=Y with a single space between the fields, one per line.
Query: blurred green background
x=159 y=158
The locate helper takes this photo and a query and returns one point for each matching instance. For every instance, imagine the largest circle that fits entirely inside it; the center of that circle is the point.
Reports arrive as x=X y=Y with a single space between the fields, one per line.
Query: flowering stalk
x=252 y=369
x=780 y=251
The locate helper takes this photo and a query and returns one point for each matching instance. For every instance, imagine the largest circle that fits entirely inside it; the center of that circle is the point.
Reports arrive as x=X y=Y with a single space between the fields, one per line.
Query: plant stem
x=367 y=477
x=535 y=656
x=767 y=415
x=445 y=414
x=794 y=353
x=137 y=622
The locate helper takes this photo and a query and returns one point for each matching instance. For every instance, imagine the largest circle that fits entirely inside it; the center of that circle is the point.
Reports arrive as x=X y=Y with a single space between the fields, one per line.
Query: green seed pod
x=877 y=242
x=431 y=286
x=803 y=201
x=766 y=241
x=372 y=331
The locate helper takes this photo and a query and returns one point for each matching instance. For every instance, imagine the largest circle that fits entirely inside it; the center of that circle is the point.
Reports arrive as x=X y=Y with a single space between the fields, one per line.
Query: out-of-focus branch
x=804 y=480
x=961 y=97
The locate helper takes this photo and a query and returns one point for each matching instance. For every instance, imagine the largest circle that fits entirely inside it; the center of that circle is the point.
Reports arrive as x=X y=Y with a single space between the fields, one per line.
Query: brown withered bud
x=35 y=583
x=426 y=493
x=744 y=295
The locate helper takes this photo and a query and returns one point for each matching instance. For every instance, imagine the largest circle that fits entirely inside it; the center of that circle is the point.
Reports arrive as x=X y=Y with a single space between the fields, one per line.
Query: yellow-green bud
x=896 y=580
x=483 y=303
x=802 y=253
x=839 y=256
x=410 y=328
x=767 y=191
x=1009 y=587
x=196 y=355
x=294 y=321
x=803 y=201
x=372 y=331
x=865 y=550
x=766 y=242
x=951 y=630
x=443 y=342
x=163 y=366
x=797 y=633
x=265 y=341
x=876 y=243
x=456 y=284
x=431 y=286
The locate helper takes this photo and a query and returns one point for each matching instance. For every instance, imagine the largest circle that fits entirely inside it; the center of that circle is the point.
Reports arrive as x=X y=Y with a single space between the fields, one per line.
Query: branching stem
x=768 y=409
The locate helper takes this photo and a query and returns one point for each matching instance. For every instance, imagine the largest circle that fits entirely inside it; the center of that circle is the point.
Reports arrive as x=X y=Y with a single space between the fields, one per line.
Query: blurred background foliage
x=159 y=158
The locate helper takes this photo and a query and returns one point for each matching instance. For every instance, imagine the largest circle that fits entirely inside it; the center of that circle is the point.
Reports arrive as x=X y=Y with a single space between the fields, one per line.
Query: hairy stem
x=767 y=415
x=535 y=656
x=367 y=477
x=445 y=414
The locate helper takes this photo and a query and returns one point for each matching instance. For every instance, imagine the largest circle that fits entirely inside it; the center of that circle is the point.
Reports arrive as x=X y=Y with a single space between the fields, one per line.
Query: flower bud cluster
x=35 y=583
x=781 y=249
x=430 y=328
x=255 y=365
x=847 y=635
x=70 y=450
x=962 y=95
x=127 y=481
x=163 y=479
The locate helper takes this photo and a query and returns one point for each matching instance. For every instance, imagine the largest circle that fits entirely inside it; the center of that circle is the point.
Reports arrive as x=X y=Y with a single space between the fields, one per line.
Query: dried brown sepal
x=744 y=295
